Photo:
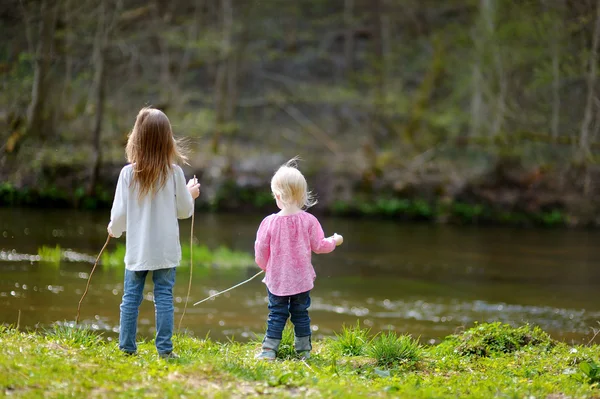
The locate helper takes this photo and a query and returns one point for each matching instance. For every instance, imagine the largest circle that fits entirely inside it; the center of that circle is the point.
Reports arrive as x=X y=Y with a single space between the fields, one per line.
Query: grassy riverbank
x=490 y=360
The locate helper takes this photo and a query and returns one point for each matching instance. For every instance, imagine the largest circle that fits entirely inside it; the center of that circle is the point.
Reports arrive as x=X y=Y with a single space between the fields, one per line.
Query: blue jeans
x=164 y=280
x=293 y=306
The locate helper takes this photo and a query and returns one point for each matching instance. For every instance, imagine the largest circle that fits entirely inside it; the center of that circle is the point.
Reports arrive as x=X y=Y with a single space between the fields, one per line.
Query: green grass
x=71 y=362
x=203 y=257
x=50 y=255
x=221 y=257
x=389 y=349
x=351 y=341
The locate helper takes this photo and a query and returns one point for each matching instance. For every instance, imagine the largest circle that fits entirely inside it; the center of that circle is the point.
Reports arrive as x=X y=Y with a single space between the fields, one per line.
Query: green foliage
x=352 y=341
x=553 y=218
x=495 y=338
x=590 y=371
x=417 y=209
x=222 y=257
x=114 y=258
x=50 y=255
x=467 y=212
x=389 y=349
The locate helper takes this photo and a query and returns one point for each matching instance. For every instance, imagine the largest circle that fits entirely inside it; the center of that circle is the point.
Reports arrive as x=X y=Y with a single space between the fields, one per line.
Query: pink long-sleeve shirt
x=283 y=250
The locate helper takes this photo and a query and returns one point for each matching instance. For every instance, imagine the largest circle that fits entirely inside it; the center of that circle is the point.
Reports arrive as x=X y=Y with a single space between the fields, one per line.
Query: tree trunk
x=69 y=18
x=39 y=90
x=556 y=75
x=591 y=81
x=222 y=71
x=477 y=92
x=349 y=36
x=488 y=13
x=385 y=47
x=99 y=94
x=165 y=57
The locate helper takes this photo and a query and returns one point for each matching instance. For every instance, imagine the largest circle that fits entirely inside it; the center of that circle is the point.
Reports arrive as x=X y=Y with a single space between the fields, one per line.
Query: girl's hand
x=338 y=239
x=194 y=187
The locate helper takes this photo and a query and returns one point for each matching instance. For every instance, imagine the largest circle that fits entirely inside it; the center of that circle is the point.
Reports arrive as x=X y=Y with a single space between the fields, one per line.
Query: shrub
x=488 y=339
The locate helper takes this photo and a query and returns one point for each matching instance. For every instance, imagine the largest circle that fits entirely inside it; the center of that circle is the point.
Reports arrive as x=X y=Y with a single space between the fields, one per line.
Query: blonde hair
x=290 y=185
x=152 y=149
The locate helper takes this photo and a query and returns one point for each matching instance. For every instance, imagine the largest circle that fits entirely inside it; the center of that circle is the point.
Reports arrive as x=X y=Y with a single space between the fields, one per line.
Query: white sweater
x=152 y=229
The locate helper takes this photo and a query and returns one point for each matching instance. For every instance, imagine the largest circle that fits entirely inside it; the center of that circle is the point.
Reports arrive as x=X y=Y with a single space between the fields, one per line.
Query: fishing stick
x=187 y=298
x=90 y=278
x=228 y=289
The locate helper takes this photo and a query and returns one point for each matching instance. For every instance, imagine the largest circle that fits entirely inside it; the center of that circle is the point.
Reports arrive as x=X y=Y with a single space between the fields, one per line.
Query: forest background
x=465 y=111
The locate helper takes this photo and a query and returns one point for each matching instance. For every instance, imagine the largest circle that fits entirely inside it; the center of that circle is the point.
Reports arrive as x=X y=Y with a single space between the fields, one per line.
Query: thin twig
x=90 y=278
x=596 y=332
x=228 y=289
x=187 y=298
x=19 y=320
x=306 y=364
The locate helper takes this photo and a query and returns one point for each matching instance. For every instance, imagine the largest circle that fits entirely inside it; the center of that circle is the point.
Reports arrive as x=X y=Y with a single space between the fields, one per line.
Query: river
x=426 y=280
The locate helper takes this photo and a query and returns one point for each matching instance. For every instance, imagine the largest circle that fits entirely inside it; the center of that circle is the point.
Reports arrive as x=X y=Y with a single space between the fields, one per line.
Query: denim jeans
x=164 y=280
x=293 y=306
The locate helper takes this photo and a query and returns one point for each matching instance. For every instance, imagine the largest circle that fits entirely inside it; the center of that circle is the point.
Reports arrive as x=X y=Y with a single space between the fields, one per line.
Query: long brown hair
x=152 y=149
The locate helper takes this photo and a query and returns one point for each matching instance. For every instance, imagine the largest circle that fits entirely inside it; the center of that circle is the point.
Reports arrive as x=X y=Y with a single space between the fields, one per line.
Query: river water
x=426 y=280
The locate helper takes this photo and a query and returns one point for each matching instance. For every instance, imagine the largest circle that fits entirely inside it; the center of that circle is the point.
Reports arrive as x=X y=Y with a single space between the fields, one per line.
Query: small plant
x=590 y=372
x=352 y=341
x=73 y=335
x=286 y=347
x=389 y=349
x=50 y=255
x=494 y=338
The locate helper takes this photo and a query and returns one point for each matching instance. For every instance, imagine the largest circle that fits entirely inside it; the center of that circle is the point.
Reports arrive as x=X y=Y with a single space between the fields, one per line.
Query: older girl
x=151 y=195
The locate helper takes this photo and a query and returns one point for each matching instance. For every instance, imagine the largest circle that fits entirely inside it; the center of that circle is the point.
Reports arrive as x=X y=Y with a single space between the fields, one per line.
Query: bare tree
x=43 y=53
x=104 y=28
x=224 y=68
x=349 y=35
x=555 y=47
x=591 y=83
x=488 y=14
x=477 y=82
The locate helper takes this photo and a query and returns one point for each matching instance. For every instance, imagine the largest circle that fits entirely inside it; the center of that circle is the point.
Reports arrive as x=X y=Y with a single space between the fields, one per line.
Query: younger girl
x=151 y=195
x=283 y=246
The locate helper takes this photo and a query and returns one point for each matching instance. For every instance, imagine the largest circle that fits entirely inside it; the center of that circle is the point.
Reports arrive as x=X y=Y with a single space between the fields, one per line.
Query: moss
x=496 y=338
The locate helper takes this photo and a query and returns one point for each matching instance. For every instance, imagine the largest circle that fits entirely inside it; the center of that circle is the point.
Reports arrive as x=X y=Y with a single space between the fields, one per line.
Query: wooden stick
x=228 y=289
x=19 y=320
x=187 y=298
x=90 y=278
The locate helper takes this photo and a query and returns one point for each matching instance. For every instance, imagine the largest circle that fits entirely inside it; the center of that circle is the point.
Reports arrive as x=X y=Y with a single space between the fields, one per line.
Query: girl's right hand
x=194 y=188
x=338 y=239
